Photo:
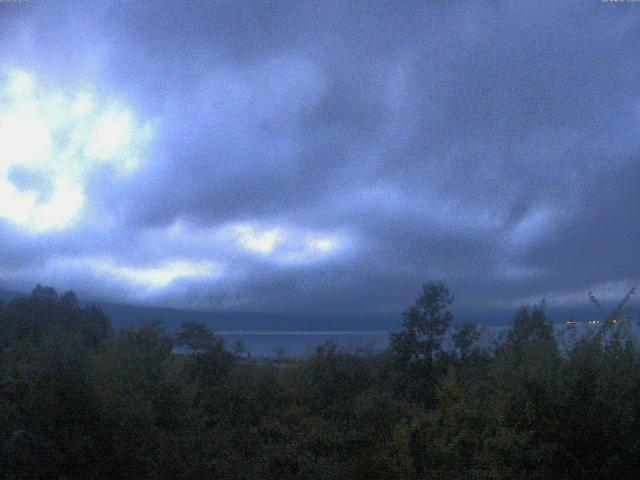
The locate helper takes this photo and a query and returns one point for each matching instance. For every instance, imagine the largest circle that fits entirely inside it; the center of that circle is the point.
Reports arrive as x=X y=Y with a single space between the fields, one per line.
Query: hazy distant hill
x=8 y=295
x=133 y=316
x=124 y=316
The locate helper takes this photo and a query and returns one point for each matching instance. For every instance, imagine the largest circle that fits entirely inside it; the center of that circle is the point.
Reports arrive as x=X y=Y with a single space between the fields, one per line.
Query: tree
x=529 y=326
x=418 y=347
x=615 y=314
x=45 y=313
x=465 y=338
x=45 y=294
x=96 y=326
x=240 y=349
x=425 y=324
x=280 y=351
x=195 y=337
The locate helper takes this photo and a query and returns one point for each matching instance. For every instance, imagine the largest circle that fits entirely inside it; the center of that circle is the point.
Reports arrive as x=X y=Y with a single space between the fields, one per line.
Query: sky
x=323 y=157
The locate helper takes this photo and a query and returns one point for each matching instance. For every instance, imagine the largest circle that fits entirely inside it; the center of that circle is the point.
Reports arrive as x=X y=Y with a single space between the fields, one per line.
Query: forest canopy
x=80 y=400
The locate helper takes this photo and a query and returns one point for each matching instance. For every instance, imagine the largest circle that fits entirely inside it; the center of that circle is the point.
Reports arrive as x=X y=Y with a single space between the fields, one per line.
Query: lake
x=303 y=343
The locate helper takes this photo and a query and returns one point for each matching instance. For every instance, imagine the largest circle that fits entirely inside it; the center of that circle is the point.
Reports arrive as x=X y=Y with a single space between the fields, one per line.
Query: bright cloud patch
x=259 y=241
x=286 y=245
x=155 y=276
x=62 y=138
x=278 y=244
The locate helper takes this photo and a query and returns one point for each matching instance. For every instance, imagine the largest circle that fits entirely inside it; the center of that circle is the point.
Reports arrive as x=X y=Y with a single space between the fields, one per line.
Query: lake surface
x=303 y=343
x=300 y=344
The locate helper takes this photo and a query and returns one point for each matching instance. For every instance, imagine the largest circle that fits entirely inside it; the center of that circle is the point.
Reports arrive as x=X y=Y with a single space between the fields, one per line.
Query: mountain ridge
x=133 y=316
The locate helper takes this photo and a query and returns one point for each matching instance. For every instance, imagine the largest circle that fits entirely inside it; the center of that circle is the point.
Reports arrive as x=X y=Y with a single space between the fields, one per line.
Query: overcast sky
x=319 y=156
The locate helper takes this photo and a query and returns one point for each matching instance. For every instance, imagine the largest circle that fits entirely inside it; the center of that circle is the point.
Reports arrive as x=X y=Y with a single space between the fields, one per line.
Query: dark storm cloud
x=495 y=146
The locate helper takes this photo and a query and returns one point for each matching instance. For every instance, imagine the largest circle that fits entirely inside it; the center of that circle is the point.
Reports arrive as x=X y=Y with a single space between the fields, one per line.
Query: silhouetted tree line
x=80 y=401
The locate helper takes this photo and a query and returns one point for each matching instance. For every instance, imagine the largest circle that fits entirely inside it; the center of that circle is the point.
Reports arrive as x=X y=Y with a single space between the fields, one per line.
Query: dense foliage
x=78 y=400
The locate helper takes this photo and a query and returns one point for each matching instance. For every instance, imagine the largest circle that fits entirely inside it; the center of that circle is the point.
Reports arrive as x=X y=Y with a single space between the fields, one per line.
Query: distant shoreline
x=302 y=332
